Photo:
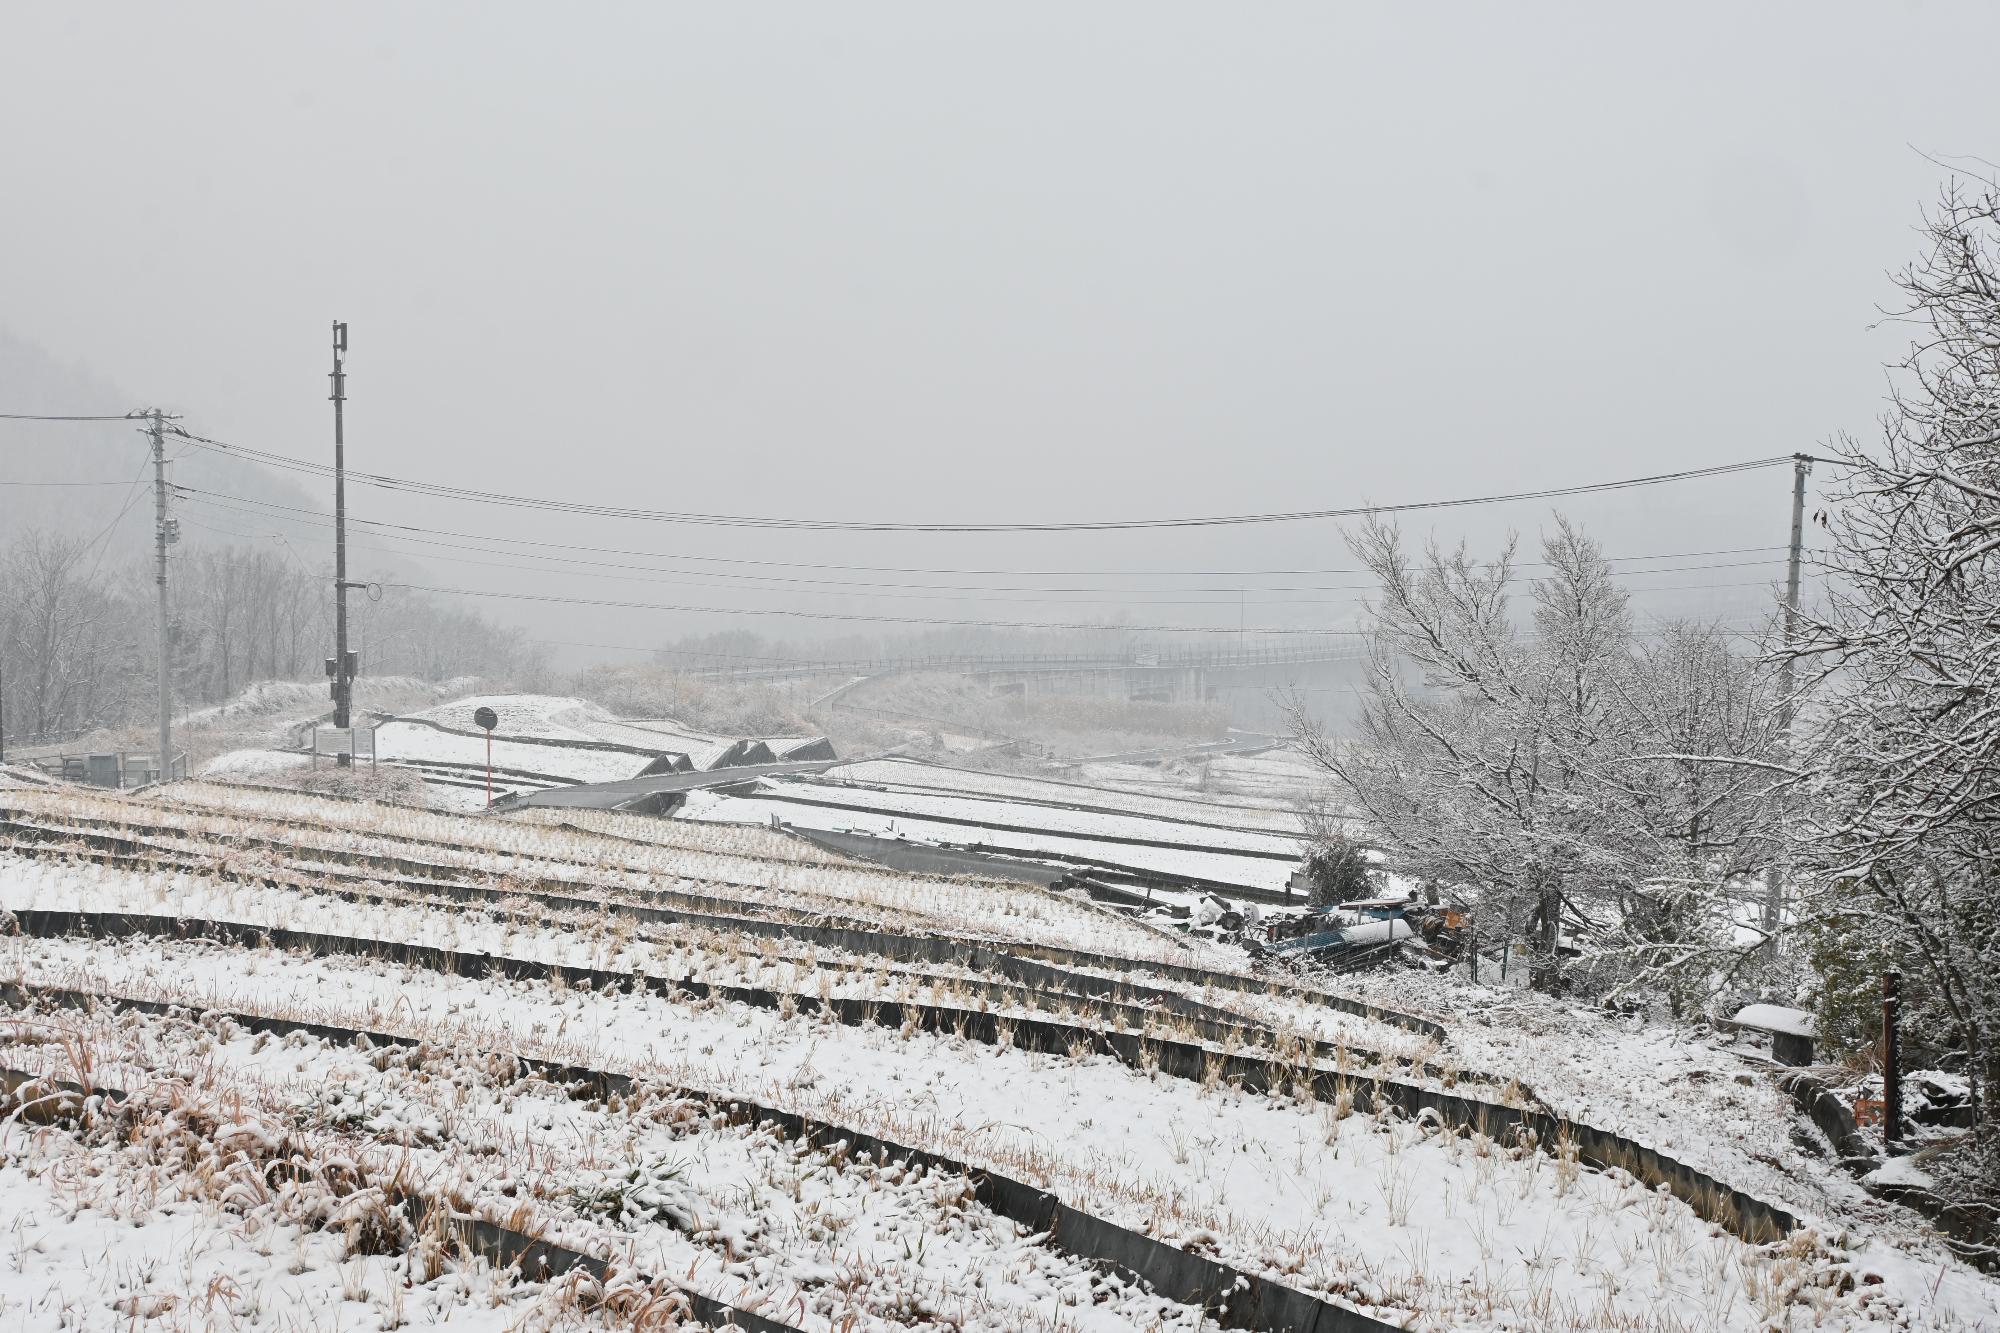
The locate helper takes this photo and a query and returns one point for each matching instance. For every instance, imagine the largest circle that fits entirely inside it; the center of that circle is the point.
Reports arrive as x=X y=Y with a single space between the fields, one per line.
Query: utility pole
x=1801 y=465
x=165 y=532
x=342 y=666
x=1774 y=883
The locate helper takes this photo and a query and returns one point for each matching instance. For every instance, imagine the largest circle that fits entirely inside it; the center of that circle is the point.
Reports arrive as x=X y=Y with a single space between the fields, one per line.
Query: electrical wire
x=33 y=416
x=1726 y=627
x=99 y=540
x=880 y=620
x=876 y=587
x=764 y=522
x=1122 y=598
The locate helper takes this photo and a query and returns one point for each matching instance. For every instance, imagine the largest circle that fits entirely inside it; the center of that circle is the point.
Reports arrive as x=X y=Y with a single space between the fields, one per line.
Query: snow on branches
x=1904 y=658
x=1603 y=791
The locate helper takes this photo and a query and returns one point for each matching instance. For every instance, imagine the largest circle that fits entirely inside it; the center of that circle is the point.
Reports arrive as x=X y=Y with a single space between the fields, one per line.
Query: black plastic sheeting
x=535 y=1260
x=1236 y=1299
x=1748 y=1217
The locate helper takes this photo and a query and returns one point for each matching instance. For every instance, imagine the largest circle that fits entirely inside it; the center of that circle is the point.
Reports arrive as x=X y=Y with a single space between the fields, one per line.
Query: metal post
x=163 y=534
x=343 y=684
x=1892 y=1064
x=1774 y=880
x=489 y=770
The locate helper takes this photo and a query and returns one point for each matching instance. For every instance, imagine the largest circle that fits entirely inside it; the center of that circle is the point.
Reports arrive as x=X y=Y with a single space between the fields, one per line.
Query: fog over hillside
x=894 y=667
x=1145 y=262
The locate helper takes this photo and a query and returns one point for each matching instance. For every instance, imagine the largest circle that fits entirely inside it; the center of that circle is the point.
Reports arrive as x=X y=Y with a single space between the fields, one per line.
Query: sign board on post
x=355 y=742
x=486 y=719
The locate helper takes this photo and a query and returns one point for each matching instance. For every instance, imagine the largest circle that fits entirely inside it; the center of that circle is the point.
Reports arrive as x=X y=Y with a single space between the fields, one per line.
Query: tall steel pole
x=343 y=681
x=163 y=534
x=1774 y=884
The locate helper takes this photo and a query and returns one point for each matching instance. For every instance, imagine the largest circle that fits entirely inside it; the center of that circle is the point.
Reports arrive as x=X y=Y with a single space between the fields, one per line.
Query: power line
x=32 y=416
x=881 y=620
x=1136 y=594
x=983 y=593
x=597 y=510
x=97 y=561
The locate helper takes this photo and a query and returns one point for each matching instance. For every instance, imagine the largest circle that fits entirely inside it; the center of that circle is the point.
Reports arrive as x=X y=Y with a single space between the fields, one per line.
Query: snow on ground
x=562 y=718
x=1445 y=1231
x=1685 y=1090
x=1379 y=1211
x=1249 y=872
x=282 y=704
x=544 y=716
x=1184 y=826
x=911 y=775
x=664 y=734
x=415 y=743
x=736 y=861
x=1277 y=778
x=729 y=1209
x=249 y=765
x=93 y=1246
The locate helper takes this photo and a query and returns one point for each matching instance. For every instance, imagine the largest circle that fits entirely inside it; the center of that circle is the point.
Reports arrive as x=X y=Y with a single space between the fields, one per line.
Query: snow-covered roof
x=1777 y=1018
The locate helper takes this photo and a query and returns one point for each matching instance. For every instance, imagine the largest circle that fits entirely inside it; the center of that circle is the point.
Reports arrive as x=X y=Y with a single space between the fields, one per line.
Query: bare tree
x=1568 y=783
x=1904 y=825
x=61 y=628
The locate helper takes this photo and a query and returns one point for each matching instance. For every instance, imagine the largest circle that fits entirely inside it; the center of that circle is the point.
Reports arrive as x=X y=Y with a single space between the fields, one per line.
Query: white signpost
x=357 y=743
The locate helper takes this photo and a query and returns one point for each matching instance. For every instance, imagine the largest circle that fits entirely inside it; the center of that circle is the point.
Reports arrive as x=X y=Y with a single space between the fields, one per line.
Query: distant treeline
x=79 y=642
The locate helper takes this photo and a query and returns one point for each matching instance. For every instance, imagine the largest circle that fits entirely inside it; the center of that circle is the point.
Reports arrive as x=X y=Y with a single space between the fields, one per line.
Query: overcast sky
x=1018 y=262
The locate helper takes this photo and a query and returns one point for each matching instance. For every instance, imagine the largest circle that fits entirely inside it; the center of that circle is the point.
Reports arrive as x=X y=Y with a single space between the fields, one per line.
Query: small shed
x=1791 y=1030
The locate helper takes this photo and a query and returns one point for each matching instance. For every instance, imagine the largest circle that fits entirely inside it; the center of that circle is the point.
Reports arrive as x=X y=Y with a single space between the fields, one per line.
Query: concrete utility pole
x=1774 y=883
x=343 y=672
x=1801 y=465
x=165 y=532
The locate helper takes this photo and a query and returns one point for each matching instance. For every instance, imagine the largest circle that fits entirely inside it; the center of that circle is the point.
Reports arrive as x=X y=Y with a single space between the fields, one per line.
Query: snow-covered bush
x=1337 y=868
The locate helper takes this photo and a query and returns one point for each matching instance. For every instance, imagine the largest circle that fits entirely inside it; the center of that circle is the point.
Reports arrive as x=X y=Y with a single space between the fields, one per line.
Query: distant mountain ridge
x=57 y=456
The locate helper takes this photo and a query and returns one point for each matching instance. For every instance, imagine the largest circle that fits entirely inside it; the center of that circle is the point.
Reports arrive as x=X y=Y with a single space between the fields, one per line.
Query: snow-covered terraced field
x=105 y=1240
x=1327 y=1200
x=910 y=775
x=729 y=1209
x=1278 y=778
x=414 y=742
x=1002 y=811
x=1221 y=866
x=719 y=858
x=1415 y=1223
